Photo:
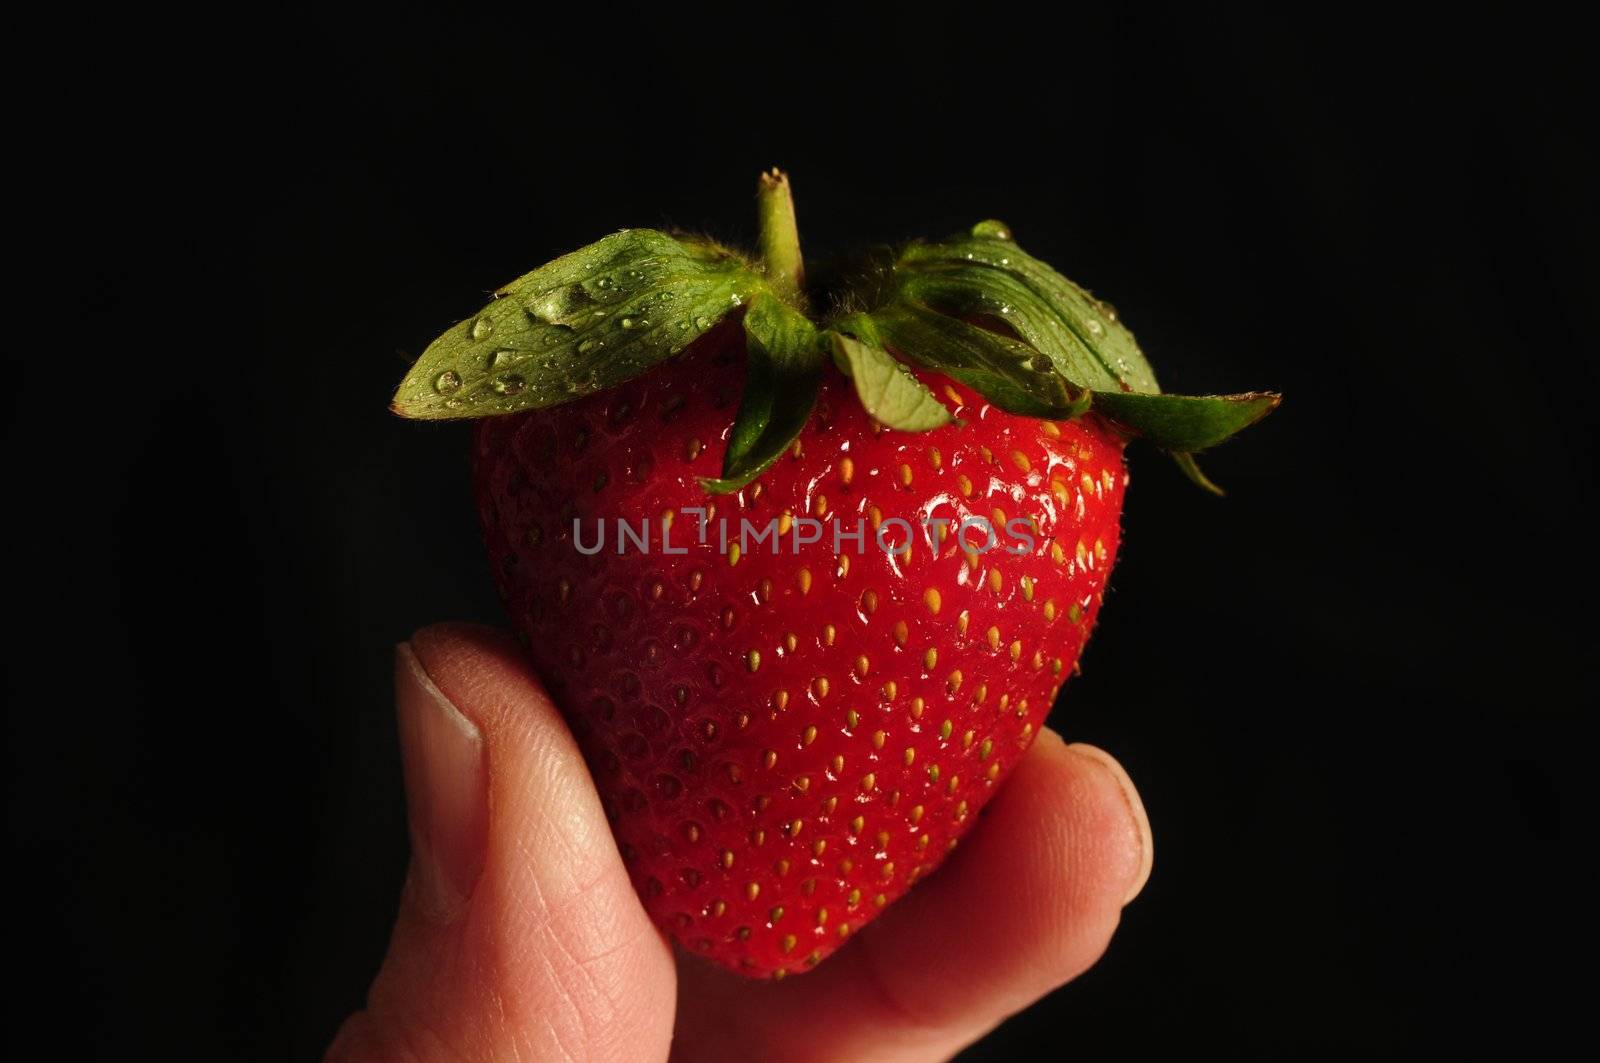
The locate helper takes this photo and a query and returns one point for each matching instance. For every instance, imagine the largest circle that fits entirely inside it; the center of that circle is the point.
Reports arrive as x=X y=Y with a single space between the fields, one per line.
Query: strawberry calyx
x=974 y=306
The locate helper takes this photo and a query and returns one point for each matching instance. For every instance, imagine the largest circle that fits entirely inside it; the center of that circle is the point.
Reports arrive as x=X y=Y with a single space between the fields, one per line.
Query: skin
x=520 y=937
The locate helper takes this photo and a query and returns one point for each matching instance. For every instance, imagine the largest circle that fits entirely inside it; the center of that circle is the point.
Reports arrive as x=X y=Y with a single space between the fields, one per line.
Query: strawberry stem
x=780 y=238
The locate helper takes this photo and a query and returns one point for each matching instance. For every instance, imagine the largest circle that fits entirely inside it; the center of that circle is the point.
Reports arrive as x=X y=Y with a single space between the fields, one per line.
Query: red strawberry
x=796 y=689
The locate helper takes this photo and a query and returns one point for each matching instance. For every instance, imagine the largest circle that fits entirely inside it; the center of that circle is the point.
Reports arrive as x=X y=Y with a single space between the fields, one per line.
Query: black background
x=1349 y=692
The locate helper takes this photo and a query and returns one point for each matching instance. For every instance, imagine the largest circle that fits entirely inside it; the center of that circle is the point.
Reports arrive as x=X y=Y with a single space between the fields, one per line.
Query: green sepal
x=980 y=309
x=586 y=322
x=1187 y=465
x=1185 y=422
x=1007 y=372
x=889 y=391
x=975 y=307
x=986 y=273
x=785 y=359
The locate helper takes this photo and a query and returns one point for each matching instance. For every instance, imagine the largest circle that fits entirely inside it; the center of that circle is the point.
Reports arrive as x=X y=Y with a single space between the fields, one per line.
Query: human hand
x=520 y=936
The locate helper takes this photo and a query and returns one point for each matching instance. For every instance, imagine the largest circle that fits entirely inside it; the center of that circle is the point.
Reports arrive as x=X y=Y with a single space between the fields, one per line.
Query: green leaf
x=785 y=369
x=888 y=390
x=586 y=322
x=973 y=291
x=980 y=309
x=1008 y=373
x=1185 y=422
x=987 y=273
x=1187 y=465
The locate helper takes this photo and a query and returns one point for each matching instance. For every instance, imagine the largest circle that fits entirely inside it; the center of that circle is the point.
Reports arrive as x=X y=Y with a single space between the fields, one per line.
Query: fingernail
x=1136 y=813
x=446 y=792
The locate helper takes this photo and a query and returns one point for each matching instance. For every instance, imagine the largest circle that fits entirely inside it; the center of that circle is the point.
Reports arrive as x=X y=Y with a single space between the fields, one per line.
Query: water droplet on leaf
x=481 y=328
x=447 y=381
x=556 y=305
x=991 y=229
x=507 y=384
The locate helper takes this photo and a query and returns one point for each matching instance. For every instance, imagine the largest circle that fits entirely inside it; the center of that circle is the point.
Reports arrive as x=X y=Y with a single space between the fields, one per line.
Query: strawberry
x=801 y=644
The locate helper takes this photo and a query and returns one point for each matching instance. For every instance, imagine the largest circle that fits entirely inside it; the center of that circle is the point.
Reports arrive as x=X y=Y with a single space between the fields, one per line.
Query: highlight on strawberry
x=855 y=527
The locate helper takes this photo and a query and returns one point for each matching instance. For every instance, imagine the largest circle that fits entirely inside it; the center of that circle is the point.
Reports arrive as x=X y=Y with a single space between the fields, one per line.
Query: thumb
x=519 y=934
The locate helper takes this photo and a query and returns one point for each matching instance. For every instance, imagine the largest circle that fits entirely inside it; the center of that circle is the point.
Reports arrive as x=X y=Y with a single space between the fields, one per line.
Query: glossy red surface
x=785 y=741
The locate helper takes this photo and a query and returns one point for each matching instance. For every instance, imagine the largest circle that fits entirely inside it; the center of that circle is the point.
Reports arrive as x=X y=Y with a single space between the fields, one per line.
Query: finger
x=519 y=934
x=1027 y=903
